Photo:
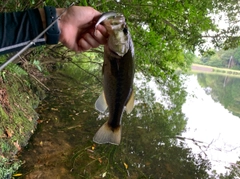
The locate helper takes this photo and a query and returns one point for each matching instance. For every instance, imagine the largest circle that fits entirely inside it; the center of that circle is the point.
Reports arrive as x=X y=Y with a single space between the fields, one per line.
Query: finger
x=100 y=37
x=83 y=45
x=91 y=40
x=102 y=30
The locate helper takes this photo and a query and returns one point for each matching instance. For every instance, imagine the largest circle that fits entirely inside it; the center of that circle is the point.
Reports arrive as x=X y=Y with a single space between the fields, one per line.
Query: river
x=160 y=139
x=212 y=124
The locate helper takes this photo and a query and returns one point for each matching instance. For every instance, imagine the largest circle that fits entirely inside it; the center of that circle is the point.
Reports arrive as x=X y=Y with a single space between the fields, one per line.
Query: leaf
x=125 y=165
x=54 y=109
x=9 y=133
x=17 y=175
x=16 y=144
x=104 y=174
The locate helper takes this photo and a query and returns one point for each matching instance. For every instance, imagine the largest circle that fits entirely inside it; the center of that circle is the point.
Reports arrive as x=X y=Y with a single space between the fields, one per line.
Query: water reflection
x=225 y=90
x=210 y=122
x=151 y=146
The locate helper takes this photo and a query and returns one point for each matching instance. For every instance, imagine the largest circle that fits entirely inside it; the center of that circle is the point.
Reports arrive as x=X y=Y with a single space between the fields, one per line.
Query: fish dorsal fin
x=101 y=104
x=130 y=103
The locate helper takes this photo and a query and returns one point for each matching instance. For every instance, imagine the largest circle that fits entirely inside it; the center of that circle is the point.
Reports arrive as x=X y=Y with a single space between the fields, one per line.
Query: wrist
x=53 y=31
x=44 y=21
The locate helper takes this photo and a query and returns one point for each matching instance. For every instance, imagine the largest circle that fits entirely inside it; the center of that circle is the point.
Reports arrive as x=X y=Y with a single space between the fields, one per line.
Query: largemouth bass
x=118 y=74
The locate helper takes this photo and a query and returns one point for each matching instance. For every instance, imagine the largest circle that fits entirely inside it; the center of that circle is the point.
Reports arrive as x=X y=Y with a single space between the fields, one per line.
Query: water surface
x=210 y=122
x=158 y=139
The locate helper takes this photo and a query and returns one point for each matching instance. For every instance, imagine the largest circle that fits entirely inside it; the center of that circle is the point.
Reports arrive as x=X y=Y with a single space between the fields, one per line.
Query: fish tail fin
x=108 y=135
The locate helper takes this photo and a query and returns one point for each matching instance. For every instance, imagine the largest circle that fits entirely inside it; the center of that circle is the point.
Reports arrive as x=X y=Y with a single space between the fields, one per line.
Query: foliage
x=160 y=29
x=18 y=117
x=223 y=58
x=18 y=120
x=8 y=168
x=165 y=30
x=234 y=172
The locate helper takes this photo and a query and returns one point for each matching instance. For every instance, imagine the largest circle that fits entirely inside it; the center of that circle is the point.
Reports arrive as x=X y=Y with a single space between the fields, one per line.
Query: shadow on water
x=62 y=147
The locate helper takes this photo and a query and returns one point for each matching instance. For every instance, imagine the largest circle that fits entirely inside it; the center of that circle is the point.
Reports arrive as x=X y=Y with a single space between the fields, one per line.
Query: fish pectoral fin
x=130 y=103
x=101 y=104
x=108 y=135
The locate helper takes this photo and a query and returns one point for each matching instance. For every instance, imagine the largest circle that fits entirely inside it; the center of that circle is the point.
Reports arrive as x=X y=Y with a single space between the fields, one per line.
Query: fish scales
x=121 y=79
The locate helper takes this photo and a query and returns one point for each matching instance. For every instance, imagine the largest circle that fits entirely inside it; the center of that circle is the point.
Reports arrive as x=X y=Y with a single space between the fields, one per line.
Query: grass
x=18 y=118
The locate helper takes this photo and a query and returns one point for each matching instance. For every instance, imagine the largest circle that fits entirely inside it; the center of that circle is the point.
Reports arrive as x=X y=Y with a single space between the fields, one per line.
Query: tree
x=163 y=31
x=233 y=173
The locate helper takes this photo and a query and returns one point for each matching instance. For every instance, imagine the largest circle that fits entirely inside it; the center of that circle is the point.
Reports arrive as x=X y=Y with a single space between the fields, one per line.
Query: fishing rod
x=32 y=42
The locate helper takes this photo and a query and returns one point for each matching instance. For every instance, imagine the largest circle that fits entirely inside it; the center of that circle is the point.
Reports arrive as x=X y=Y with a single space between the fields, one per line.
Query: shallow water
x=151 y=146
x=210 y=122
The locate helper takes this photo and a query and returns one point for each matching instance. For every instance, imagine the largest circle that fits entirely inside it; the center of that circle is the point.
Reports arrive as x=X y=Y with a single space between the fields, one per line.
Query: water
x=212 y=124
x=158 y=139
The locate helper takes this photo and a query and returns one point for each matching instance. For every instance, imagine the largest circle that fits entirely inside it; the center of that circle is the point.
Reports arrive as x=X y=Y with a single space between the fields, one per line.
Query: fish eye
x=125 y=30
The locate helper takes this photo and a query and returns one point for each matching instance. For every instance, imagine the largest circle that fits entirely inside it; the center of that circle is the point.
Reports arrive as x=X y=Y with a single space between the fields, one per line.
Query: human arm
x=18 y=28
x=76 y=29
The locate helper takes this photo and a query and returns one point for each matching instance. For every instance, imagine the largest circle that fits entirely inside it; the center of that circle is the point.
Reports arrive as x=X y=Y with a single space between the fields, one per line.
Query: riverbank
x=197 y=68
x=18 y=118
x=21 y=90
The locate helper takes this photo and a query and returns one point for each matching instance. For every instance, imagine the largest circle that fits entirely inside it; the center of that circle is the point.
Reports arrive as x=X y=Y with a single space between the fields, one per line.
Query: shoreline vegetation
x=19 y=97
x=197 y=68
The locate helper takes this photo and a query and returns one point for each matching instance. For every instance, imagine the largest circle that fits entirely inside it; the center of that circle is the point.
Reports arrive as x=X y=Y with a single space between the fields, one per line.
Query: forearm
x=43 y=17
x=75 y=28
x=18 y=28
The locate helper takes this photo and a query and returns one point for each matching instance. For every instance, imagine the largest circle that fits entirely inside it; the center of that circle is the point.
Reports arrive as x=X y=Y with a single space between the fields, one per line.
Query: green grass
x=17 y=119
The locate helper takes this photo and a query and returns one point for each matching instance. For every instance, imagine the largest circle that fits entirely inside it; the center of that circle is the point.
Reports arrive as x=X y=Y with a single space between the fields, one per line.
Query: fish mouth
x=115 y=24
x=118 y=34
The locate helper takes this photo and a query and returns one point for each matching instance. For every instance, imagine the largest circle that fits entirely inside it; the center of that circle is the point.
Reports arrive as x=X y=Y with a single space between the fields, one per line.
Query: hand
x=77 y=27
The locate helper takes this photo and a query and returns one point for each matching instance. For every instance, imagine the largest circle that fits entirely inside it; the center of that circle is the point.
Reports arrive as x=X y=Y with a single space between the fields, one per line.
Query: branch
x=39 y=81
x=86 y=71
x=171 y=25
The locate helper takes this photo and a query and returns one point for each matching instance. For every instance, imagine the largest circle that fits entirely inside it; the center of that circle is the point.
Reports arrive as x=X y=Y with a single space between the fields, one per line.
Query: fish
x=118 y=76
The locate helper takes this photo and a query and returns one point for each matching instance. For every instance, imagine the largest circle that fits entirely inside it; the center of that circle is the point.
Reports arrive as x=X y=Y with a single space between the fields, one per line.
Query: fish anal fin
x=108 y=135
x=101 y=104
x=130 y=103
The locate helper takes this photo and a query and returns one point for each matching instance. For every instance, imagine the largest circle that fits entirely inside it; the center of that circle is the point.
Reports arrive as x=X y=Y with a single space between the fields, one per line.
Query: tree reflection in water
x=149 y=148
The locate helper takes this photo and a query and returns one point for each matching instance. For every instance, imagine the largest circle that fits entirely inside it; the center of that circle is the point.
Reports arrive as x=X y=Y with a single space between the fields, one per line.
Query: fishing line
x=32 y=42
